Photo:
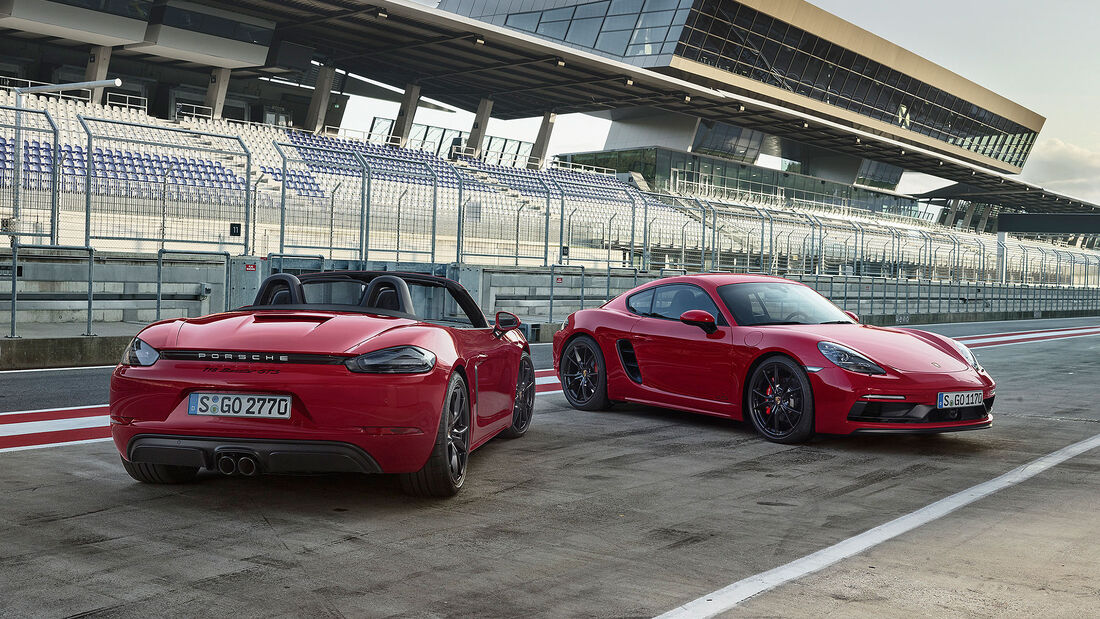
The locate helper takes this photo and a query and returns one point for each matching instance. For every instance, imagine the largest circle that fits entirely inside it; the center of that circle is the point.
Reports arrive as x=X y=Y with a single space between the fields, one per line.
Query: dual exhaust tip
x=244 y=465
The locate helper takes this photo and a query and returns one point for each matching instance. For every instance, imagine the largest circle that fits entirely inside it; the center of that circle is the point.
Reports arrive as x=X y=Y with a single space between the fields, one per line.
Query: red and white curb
x=1023 y=337
x=37 y=429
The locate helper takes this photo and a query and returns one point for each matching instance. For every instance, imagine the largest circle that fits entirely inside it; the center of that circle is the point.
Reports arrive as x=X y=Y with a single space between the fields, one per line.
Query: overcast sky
x=1042 y=55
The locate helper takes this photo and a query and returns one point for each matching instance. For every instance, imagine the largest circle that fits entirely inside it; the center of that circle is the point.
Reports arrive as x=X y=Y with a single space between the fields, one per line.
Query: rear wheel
x=779 y=401
x=524 y=407
x=442 y=475
x=584 y=375
x=149 y=473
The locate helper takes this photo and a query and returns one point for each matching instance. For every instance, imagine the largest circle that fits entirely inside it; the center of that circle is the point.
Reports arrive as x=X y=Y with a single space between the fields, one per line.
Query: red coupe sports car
x=371 y=372
x=771 y=350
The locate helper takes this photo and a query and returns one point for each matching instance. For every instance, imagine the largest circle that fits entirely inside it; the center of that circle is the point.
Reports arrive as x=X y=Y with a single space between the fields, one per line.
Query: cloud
x=1065 y=168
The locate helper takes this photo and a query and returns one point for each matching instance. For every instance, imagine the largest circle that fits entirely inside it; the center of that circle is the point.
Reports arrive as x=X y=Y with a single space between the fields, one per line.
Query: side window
x=640 y=303
x=673 y=300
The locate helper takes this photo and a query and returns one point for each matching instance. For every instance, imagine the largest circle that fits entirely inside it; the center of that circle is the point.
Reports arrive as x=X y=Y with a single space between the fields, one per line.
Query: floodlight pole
x=17 y=181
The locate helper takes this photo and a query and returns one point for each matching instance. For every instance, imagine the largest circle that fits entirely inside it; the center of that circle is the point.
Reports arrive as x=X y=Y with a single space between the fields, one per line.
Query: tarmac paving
x=628 y=512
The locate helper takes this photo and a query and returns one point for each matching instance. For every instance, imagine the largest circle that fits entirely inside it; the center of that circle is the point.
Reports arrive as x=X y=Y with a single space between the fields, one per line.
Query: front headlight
x=848 y=359
x=396 y=360
x=966 y=353
x=139 y=353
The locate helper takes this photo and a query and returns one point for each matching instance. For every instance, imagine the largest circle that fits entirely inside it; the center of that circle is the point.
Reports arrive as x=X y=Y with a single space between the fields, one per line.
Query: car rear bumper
x=270 y=456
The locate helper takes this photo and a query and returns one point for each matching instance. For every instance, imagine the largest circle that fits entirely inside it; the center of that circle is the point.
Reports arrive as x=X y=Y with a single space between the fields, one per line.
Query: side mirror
x=852 y=315
x=506 y=321
x=701 y=319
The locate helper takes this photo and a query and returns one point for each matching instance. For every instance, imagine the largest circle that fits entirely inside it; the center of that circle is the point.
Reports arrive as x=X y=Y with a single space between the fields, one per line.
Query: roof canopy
x=459 y=61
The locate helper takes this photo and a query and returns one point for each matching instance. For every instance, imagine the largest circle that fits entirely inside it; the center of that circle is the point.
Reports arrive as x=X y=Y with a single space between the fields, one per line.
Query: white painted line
x=84 y=367
x=55 y=425
x=546 y=380
x=50 y=410
x=1019 y=336
x=26 y=447
x=977 y=349
x=726 y=598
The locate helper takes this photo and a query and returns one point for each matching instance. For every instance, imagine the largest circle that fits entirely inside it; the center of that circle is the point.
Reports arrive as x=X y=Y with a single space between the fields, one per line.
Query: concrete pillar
x=985 y=218
x=99 y=58
x=318 y=104
x=402 y=127
x=476 y=140
x=969 y=216
x=542 y=142
x=215 y=91
x=952 y=208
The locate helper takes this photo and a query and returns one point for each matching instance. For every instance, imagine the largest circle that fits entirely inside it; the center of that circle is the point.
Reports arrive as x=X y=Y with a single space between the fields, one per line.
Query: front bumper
x=270 y=456
x=845 y=402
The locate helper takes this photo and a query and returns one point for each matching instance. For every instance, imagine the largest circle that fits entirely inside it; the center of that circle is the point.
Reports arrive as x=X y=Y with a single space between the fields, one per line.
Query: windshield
x=778 y=303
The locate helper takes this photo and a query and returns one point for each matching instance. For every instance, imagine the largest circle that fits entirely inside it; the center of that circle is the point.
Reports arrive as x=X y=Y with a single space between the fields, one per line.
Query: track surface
x=628 y=512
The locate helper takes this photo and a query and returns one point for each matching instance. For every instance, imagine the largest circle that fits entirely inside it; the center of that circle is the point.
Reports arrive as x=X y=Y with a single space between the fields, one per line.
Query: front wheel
x=442 y=475
x=584 y=375
x=779 y=401
x=523 y=408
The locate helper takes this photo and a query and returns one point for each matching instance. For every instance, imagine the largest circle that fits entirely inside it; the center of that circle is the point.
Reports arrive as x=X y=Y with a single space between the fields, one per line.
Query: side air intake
x=629 y=360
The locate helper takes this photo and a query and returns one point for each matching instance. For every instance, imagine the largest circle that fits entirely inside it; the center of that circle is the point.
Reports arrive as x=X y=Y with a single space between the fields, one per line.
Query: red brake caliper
x=768 y=392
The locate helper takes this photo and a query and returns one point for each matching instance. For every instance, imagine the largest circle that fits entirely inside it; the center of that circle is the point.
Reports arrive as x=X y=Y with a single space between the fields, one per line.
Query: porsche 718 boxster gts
x=770 y=350
x=371 y=372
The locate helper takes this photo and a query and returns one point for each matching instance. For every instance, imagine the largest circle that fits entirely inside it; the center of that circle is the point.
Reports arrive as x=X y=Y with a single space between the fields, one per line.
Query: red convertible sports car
x=770 y=350
x=371 y=372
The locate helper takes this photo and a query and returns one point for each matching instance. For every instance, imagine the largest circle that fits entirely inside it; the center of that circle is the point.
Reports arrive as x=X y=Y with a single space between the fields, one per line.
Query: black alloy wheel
x=780 y=402
x=523 y=408
x=584 y=375
x=445 y=471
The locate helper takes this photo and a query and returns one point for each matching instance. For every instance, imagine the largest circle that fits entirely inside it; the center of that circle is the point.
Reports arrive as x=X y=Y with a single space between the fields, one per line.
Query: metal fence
x=150 y=187
x=29 y=147
x=113 y=184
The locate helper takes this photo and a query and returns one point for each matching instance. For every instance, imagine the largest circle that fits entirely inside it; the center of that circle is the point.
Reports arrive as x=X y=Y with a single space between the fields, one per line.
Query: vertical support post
x=402 y=126
x=282 y=198
x=215 y=91
x=318 y=103
x=99 y=58
x=476 y=141
x=14 y=284
x=542 y=141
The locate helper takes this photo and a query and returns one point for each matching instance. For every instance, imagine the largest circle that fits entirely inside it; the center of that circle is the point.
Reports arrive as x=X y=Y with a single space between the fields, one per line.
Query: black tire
x=148 y=473
x=584 y=375
x=779 y=401
x=523 y=407
x=445 y=471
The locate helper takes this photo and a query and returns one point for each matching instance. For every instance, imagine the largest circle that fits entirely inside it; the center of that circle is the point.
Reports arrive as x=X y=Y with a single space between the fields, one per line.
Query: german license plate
x=959 y=399
x=239 y=405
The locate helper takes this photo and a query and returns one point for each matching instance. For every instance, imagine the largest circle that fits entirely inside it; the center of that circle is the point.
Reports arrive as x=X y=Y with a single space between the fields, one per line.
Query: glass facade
x=729 y=141
x=438 y=140
x=669 y=170
x=878 y=174
x=741 y=40
x=626 y=28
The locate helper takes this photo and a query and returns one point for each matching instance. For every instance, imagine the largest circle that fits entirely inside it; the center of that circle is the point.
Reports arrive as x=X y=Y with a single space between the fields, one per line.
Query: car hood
x=293 y=332
x=901 y=350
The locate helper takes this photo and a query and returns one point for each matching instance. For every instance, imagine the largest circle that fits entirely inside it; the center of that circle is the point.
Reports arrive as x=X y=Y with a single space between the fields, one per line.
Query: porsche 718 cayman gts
x=770 y=350
x=371 y=372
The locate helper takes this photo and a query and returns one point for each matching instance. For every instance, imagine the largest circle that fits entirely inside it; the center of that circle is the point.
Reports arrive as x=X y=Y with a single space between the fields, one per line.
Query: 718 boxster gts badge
x=773 y=352
x=370 y=372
